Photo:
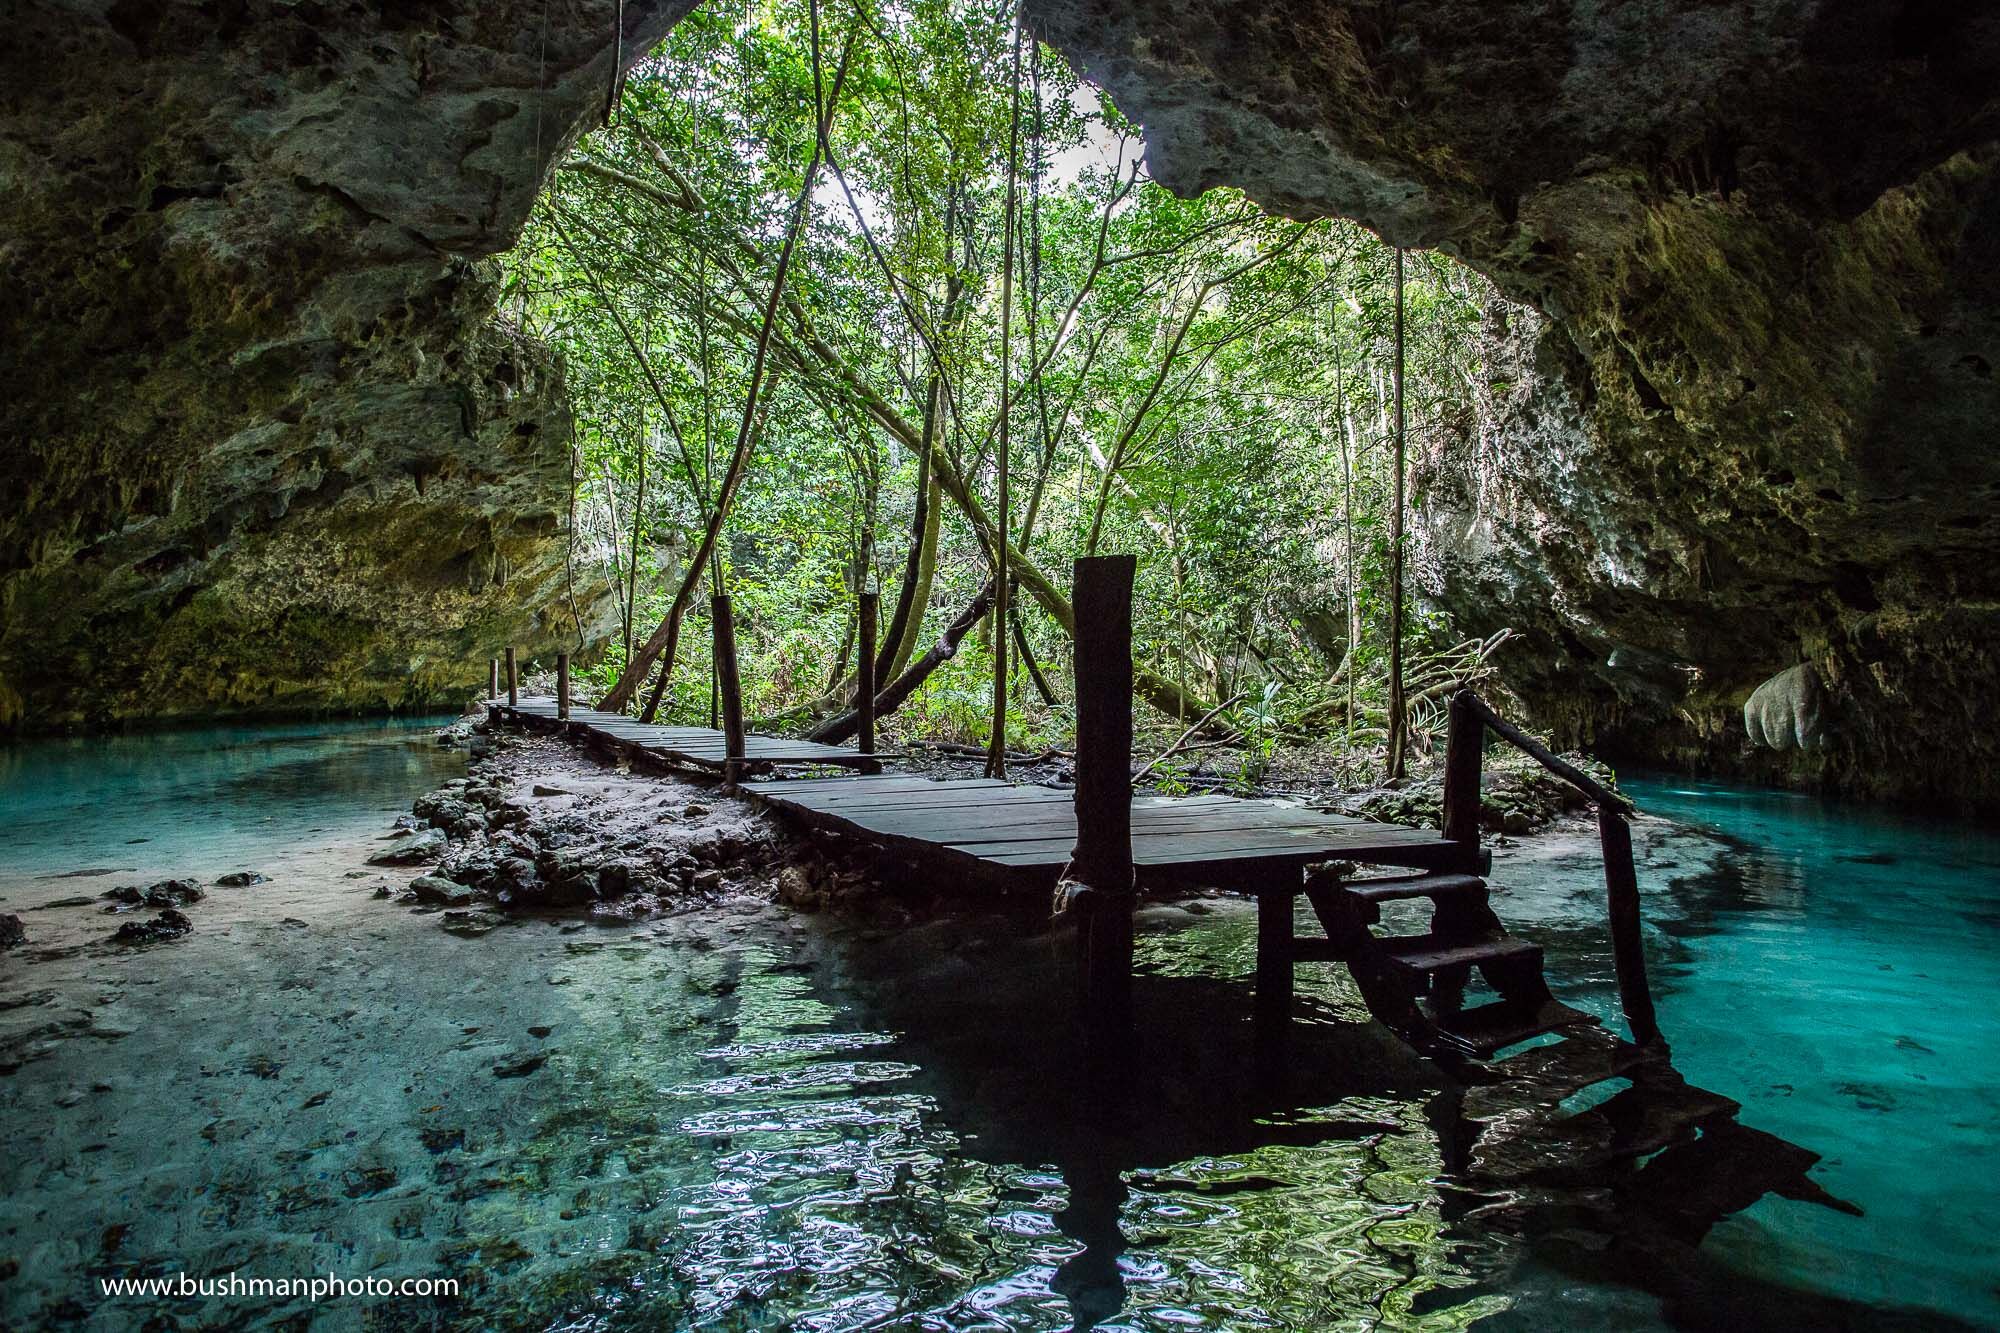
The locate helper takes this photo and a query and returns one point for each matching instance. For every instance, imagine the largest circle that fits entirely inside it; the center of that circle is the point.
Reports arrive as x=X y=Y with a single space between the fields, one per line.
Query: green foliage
x=1192 y=380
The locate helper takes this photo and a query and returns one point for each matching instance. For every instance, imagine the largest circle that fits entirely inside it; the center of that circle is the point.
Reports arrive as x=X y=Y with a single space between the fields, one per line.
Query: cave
x=297 y=455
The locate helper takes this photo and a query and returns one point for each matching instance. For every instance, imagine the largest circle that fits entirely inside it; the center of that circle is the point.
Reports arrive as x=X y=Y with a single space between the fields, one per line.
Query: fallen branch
x=1180 y=742
x=843 y=725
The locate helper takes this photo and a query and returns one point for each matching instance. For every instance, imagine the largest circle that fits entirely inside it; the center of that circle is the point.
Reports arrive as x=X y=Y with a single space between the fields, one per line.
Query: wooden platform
x=685 y=747
x=1016 y=833
x=1026 y=833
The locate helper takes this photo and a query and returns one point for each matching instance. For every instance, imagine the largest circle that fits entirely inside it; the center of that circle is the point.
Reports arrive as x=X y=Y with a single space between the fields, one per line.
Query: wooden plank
x=825 y=791
x=921 y=809
x=1193 y=850
x=696 y=746
x=1048 y=820
x=991 y=799
x=870 y=782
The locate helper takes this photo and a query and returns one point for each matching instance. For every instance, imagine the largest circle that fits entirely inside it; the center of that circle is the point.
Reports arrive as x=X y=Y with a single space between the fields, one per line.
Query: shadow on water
x=1361 y=1182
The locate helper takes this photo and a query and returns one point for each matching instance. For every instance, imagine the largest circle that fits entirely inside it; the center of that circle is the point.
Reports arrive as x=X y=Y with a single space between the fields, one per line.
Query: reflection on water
x=746 y=1121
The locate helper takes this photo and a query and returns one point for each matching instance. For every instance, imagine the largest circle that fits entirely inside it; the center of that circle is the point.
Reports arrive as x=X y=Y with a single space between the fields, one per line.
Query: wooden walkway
x=1015 y=833
x=1027 y=833
x=683 y=747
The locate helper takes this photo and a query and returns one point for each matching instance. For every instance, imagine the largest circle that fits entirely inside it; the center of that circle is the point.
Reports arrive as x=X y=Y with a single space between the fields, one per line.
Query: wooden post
x=731 y=687
x=562 y=685
x=513 y=681
x=1102 y=596
x=492 y=678
x=1463 y=742
x=864 y=672
x=1621 y=885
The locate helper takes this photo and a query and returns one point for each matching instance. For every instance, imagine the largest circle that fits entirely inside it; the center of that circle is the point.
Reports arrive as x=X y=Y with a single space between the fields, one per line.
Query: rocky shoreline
x=539 y=826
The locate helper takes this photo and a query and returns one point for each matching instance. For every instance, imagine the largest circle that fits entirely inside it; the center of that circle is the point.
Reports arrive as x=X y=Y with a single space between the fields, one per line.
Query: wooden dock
x=1027 y=834
x=697 y=748
x=1012 y=833
x=1103 y=843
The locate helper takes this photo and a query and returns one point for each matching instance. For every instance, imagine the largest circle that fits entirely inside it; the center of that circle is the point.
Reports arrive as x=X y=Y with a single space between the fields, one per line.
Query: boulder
x=165 y=893
x=274 y=445
x=437 y=891
x=1737 y=393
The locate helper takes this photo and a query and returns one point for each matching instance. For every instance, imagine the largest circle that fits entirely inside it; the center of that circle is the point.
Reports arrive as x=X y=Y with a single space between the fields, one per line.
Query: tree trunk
x=665 y=640
x=922 y=518
x=1398 y=712
x=638 y=519
x=845 y=724
x=996 y=755
x=839 y=673
x=1027 y=656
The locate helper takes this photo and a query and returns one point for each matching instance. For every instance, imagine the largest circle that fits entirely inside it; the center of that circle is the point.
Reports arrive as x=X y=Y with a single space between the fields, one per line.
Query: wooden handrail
x=1598 y=793
x=1471 y=718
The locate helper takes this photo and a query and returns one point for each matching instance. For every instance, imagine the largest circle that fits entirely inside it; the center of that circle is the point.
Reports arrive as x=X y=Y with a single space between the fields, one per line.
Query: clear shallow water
x=204 y=797
x=1838 y=972
x=743 y=1120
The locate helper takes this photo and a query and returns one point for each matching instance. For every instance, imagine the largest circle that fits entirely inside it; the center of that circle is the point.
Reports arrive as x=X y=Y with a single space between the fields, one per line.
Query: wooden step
x=1424 y=955
x=1435 y=887
x=1489 y=1028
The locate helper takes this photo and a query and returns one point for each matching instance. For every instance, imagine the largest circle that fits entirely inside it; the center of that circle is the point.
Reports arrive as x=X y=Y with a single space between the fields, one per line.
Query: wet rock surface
x=538 y=826
x=1739 y=399
x=170 y=924
x=1516 y=797
x=276 y=452
x=166 y=893
x=417 y=848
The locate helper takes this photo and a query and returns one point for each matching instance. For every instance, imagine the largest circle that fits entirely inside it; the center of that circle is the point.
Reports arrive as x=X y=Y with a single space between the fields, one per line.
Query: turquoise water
x=743 y=1119
x=204 y=799
x=1838 y=972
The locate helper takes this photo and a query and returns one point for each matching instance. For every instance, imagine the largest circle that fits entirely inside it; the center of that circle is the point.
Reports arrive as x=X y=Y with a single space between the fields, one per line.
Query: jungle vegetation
x=845 y=291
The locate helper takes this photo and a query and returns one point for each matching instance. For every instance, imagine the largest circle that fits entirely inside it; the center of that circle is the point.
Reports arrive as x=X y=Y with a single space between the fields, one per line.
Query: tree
x=997 y=344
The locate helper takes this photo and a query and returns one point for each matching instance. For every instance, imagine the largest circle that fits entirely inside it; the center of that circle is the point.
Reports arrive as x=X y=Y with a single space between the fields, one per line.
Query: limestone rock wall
x=267 y=447
x=1743 y=406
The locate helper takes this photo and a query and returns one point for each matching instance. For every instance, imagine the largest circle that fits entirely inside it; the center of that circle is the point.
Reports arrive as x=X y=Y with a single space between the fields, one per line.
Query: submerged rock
x=471 y=925
x=242 y=879
x=439 y=892
x=418 y=849
x=518 y=1066
x=168 y=925
x=12 y=932
x=166 y=893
